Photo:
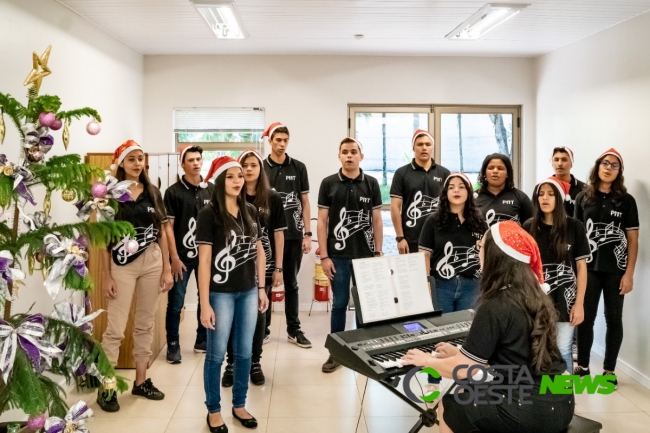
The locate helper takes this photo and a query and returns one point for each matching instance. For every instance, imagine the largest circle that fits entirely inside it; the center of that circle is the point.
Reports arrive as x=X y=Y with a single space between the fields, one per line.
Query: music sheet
x=392 y=287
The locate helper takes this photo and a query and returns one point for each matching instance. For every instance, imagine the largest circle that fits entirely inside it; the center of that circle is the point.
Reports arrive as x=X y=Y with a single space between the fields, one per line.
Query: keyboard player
x=514 y=326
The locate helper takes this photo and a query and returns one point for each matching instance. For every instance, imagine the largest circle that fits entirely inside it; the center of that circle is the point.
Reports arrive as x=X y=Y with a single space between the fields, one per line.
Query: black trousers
x=608 y=284
x=291 y=266
x=258 y=337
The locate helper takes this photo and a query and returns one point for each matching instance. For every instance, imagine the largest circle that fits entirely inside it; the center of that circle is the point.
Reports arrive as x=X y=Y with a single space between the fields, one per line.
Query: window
x=219 y=131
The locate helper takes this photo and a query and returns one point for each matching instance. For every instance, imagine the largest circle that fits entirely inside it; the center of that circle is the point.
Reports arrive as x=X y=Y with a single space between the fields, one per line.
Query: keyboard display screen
x=413 y=326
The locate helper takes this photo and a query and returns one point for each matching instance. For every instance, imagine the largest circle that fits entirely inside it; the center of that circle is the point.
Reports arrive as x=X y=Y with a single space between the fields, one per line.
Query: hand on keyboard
x=445 y=350
x=417 y=357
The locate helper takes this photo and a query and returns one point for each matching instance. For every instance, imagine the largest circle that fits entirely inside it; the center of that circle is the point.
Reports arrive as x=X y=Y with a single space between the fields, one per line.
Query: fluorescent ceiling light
x=222 y=17
x=487 y=18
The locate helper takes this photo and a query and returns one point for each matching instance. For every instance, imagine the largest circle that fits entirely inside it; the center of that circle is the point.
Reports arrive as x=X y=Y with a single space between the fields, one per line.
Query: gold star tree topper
x=39 y=69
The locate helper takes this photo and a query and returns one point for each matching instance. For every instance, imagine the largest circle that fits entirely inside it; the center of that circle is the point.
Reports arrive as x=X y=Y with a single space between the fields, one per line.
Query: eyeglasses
x=613 y=165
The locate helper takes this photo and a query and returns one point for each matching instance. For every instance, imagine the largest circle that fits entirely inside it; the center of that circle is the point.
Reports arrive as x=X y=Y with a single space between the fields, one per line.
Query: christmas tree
x=32 y=344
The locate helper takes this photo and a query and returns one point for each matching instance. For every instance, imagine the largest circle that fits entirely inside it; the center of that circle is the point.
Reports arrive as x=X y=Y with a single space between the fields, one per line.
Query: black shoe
x=147 y=390
x=330 y=365
x=298 y=338
x=228 y=378
x=257 y=375
x=200 y=346
x=173 y=352
x=580 y=371
x=614 y=380
x=223 y=428
x=267 y=338
x=248 y=423
x=108 y=404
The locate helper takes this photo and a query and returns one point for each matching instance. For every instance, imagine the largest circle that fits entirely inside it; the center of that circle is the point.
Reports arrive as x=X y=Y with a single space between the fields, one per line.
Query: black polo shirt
x=419 y=190
x=576 y=188
x=290 y=180
x=562 y=276
x=183 y=202
x=233 y=266
x=272 y=220
x=607 y=221
x=453 y=251
x=350 y=203
x=140 y=214
x=512 y=204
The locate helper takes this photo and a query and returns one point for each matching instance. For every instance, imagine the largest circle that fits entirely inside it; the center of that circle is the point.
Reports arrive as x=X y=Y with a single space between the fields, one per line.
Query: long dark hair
x=513 y=282
x=160 y=214
x=227 y=221
x=472 y=216
x=482 y=178
x=262 y=191
x=618 y=186
x=559 y=235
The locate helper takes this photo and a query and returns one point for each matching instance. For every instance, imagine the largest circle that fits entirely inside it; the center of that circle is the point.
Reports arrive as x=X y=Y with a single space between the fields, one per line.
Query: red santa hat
x=121 y=152
x=420 y=132
x=183 y=150
x=219 y=165
x=462 y=176
x=269 y=131
x=247 y=152
x=568 y=151
x=561 y=186
x=614 y=152
x=518 y=244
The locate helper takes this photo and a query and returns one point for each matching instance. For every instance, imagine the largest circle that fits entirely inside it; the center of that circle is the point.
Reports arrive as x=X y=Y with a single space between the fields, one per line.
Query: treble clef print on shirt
x=413 y=212
x=241 y=249
x=442 y=267
x=189 y=240
x=489 y=216
x=593 y=246
x=341 y=233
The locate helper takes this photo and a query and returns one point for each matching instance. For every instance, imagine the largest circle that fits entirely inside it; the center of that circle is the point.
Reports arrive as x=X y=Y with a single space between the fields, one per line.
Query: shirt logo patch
x=291 y=177
x=364 y=200
x=508 y=202
x=437 y=179
x=616 y=214
x=206 y=201
x=151 y=209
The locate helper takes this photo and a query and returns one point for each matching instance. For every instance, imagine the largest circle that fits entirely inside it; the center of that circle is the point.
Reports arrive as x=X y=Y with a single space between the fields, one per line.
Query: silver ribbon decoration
x=118 y=190
x=33 y=221
x=69 y=255
x=8 y=274
x=28 y=337
x=74 y=420
x=75 y=316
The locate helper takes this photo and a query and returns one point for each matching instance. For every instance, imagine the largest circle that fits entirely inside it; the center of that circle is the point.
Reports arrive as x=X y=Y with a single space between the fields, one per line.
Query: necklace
x=241 y=227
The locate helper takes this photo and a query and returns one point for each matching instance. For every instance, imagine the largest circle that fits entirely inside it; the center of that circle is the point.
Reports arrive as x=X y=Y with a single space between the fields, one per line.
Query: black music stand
x=428 y=417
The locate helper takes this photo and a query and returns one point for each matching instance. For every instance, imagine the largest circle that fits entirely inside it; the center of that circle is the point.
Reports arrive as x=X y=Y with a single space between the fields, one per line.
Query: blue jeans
x=239 y=312
x=175 y=302
x=457 y=293
x=565 y=343
x=341 y=292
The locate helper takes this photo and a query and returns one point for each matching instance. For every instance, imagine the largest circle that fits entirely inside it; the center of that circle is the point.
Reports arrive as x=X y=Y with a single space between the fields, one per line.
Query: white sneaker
x=267 y=338
x=431 y=387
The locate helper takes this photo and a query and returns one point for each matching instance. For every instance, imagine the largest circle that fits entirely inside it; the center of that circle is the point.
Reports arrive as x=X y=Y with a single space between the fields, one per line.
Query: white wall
x=310 y=95
x=89 y=68
x=593 y=95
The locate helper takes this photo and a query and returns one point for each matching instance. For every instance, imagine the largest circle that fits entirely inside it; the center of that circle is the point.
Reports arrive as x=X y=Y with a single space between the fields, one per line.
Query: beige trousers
x=142 y=279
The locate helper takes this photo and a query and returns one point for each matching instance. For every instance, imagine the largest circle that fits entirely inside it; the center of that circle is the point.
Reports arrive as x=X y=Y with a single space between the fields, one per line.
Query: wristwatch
x=399 y=239
x=307 y=234
x=378 y=254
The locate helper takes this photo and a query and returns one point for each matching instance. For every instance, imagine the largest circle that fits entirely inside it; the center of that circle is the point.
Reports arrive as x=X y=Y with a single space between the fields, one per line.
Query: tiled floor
x=299 y=398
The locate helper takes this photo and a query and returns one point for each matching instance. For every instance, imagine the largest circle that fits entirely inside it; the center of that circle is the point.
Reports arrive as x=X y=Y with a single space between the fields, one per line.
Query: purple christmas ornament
x=56 y=125
x=99 y=190
x=46 y=119
x=36 y=422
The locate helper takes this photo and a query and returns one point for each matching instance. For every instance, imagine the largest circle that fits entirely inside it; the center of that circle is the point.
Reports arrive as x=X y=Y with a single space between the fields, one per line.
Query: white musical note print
x=563 y=278
x=458 y=259
x=350 y=223
x=240 y=250
x=422 y=206
x=266 y=244
x=292 y=201
x=599 y=234
x=143 y=235
x=491 y=217
x=189 y=239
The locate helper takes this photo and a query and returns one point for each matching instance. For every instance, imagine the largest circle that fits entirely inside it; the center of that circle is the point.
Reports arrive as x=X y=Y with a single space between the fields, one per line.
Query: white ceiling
x=391 y=27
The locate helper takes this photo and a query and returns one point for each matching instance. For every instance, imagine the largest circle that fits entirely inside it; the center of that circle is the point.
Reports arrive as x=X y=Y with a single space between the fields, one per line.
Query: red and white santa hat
x=561 y=186
x=569 y=151
x=614 y=152
x=518 y=244
x=420 y=132
x=121 y=152
x=269 y=131
x=247 y=152
x=219 y=165
x=183 y=150
x=462 y=176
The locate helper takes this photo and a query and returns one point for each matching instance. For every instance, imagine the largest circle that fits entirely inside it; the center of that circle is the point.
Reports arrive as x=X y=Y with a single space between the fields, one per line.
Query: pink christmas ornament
x=93 y=128
x=46 y=119
x=56 y=125
x=131 y=246
x=36 y=422
x=99 y=190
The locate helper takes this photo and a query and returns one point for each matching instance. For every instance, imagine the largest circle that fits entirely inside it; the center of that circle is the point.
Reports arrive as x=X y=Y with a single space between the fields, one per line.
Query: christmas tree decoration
x=99 y=190
x=68 y=195
x=46 y=119
x=36 y=422
x=56 y=125
x=8 y=274
x=68 y=258
x=3 y=128
x=65 y=136
x=39 y=69
x=93 y=128
x=131 y=246
x=73 y=422
x=106 y=195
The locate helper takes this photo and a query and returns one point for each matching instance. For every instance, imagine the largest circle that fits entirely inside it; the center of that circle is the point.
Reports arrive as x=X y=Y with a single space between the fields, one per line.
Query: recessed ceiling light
x=358 y=36
x=484 y=20
x=222 y=17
